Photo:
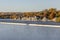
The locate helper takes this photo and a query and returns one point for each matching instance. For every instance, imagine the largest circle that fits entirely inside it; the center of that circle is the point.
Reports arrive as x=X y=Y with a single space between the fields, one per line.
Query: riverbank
x=30 y=22
x=24 y=24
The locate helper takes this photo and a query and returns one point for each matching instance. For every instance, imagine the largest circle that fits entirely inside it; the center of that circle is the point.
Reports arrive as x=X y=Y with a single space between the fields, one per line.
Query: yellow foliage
x=58 y=19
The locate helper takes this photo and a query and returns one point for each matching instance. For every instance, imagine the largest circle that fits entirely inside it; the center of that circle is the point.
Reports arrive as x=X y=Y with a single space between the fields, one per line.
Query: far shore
x=30 y=22
x=24 y=24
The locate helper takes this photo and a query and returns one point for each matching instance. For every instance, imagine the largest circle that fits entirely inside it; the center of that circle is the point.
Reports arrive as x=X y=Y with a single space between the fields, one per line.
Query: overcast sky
x=28 y=5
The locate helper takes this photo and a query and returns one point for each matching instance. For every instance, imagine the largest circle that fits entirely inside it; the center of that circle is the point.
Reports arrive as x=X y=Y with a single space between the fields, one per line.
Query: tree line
x=48 y=13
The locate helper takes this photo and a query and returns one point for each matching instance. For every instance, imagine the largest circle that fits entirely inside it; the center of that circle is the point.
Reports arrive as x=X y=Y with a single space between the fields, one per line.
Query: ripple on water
x=19 y=32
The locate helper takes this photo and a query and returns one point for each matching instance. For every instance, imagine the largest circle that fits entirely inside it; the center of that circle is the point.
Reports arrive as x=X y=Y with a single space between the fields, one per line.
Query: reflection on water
x=15 y=32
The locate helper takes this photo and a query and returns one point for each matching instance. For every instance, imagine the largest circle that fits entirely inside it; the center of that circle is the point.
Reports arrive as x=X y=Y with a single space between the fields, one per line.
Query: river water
x=20 y=32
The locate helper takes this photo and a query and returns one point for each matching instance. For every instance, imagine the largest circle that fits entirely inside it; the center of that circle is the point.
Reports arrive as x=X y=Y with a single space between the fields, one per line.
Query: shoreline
x=24 y=24
x=30 y=22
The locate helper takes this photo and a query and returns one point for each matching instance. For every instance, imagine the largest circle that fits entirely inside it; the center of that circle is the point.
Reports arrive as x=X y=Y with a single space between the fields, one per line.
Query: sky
x=27 y=5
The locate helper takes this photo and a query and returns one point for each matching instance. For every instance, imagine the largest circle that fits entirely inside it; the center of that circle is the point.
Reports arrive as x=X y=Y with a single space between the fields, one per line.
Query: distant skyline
x=27 y=5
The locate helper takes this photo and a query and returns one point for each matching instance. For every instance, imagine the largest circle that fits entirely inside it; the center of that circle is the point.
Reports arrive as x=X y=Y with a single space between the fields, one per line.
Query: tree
x=52 y=14
x=58 y=19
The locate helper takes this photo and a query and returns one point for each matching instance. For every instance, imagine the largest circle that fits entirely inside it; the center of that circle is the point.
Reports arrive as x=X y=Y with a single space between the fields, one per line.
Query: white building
x=54 y=19
x=44 y=19
x=29 y=18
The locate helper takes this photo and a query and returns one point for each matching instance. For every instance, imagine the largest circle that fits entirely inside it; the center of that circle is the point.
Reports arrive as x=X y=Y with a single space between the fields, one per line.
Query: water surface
x=17 y=32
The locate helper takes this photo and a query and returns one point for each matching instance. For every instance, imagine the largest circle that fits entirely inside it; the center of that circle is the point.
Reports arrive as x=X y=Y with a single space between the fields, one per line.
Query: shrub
x=58 y=19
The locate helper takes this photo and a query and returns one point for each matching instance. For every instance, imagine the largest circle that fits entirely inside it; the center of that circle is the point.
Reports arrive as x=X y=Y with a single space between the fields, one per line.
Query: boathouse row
x=21 y=16
x=31 y=16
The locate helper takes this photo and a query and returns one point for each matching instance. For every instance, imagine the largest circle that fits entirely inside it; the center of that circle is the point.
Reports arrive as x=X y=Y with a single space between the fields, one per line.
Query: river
x=26 y=32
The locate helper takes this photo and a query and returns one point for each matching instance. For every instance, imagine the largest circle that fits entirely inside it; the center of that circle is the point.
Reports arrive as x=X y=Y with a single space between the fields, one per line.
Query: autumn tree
x=52 y=12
